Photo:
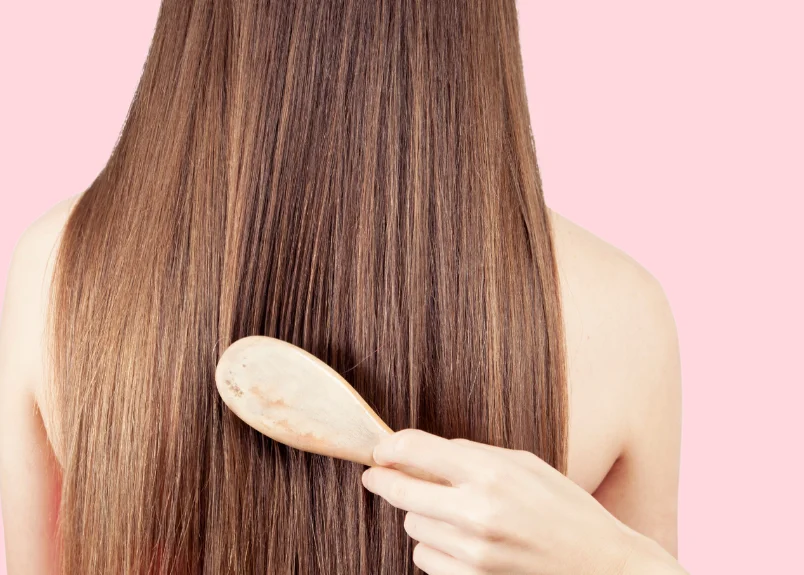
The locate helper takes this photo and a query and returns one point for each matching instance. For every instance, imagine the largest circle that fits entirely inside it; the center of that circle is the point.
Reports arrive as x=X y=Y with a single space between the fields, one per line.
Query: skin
x=503 y=511
x=624 y=437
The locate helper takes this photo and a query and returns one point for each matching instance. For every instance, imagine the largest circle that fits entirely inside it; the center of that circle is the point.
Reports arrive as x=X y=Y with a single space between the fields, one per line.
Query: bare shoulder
x=611 y=301
x=29 y=477
x=28 y=289
x=619 y=325
x=621 y=342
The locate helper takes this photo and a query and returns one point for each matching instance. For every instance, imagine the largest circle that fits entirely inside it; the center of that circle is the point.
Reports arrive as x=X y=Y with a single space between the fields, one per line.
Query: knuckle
x=406 y=440
x=493 y=477
x=482 y=555
x=489 y=476
x=397 y=492
x=486 y=519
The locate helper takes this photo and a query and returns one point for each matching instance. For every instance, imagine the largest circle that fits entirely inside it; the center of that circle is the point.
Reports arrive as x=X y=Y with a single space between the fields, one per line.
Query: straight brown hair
x=357 y=177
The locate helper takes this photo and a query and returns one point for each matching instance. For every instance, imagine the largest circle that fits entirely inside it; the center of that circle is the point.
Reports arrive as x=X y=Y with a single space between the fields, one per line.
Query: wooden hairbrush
x=291 y=396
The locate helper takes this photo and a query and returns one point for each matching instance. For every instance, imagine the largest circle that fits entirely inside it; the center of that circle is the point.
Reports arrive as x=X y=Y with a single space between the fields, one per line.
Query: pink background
x=673 y=130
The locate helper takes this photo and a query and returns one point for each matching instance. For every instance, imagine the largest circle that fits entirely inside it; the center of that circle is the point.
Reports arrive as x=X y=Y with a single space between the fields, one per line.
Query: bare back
x=624 y=384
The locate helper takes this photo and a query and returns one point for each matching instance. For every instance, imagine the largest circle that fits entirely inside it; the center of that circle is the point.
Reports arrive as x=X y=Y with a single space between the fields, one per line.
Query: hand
x=504 y=511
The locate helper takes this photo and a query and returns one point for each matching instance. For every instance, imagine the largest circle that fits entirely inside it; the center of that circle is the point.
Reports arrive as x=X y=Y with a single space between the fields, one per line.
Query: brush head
x=291 y=396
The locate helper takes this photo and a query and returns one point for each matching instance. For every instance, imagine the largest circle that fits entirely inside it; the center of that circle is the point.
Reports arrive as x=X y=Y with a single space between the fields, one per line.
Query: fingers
x=435 y=562
x=484 y=555
x=430 y=453
x=438 y=535
x=411 y=494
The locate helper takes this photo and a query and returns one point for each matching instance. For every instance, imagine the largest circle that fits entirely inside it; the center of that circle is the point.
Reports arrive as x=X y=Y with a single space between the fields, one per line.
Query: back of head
x=357 y=177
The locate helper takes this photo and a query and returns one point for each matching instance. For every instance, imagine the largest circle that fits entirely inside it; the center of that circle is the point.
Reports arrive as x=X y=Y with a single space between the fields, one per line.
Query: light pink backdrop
x=673 y=130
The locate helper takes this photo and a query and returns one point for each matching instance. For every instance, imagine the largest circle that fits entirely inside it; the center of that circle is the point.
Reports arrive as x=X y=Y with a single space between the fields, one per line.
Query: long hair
x=357 y=177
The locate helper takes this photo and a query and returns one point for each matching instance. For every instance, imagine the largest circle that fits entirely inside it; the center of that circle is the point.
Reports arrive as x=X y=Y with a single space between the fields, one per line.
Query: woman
x=357 y=178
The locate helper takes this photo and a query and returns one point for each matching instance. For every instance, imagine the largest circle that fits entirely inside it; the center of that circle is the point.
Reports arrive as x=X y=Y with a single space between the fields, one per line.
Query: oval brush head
x=291 y=396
